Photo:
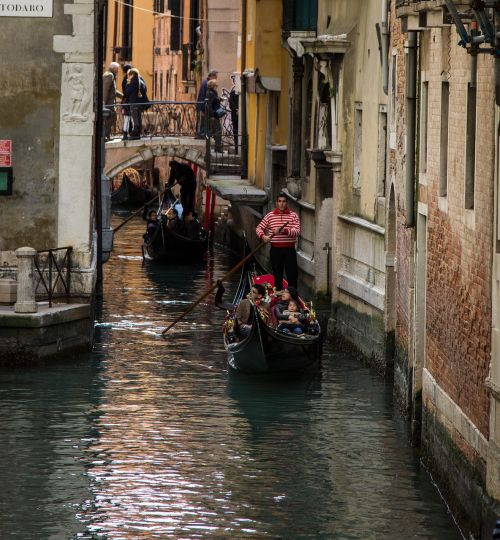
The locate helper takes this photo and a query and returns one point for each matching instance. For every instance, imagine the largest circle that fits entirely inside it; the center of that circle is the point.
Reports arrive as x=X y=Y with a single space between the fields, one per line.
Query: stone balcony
x=434 y=12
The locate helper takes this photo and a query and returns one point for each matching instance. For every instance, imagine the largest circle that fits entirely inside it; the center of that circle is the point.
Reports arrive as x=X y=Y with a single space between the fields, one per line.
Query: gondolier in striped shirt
x=283 y=254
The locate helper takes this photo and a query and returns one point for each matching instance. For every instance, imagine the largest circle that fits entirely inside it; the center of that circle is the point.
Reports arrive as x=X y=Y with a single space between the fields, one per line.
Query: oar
x=133 y=215
x=224 y=277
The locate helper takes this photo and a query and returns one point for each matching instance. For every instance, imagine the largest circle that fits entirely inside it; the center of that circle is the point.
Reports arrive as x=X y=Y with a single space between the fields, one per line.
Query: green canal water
x=148 y=438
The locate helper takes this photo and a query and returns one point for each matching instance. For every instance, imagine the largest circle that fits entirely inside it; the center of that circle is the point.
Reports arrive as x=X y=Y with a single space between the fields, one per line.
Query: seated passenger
x=296 y=320
x=284 y=298
x=244 y=311
x=192 y=226
x=151 y=225
x=173 y=221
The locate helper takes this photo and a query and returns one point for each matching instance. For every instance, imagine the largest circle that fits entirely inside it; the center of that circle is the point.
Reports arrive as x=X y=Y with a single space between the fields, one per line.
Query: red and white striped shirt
x=276 y=219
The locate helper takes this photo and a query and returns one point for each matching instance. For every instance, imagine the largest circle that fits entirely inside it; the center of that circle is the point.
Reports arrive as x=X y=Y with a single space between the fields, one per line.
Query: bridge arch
x=121 y=155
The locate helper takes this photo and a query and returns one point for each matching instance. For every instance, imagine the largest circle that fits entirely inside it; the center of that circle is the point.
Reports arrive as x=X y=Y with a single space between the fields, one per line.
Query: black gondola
x=165 y=245
x=266 y=349
x=130 y=193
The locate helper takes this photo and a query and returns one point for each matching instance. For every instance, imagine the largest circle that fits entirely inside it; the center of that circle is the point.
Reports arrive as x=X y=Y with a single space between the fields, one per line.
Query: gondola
x=130 y=193
x=168 y=246
x=266 y=349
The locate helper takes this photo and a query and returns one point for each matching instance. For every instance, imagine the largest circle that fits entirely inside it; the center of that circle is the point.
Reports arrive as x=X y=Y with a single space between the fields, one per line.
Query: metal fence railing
x=224 y=143
x=53 y=274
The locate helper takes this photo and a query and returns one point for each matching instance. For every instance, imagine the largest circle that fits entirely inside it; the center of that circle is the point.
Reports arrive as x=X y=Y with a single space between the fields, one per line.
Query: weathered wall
x=30 y=88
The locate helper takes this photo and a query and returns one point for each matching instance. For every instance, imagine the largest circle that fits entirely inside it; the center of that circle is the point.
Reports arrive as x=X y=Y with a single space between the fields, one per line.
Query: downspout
x=497 y=56
x=384 y=46
x=99 y=46
x=243 y=96
x=411 y=108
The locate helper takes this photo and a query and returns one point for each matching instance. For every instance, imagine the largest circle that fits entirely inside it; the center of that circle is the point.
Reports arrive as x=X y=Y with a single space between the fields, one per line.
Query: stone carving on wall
x=78 y=110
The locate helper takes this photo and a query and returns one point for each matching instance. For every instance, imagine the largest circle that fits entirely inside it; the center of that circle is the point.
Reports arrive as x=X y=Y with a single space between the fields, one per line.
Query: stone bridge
x=122 y=154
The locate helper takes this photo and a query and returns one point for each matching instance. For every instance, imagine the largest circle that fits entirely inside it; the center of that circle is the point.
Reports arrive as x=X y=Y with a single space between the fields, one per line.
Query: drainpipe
x=243 y=95
x=384 y=45
x=98 y=141
x=411 y=108
x=497 y=55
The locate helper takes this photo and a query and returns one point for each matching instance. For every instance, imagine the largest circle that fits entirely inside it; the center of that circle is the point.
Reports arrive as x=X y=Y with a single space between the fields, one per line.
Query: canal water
x=148 y=438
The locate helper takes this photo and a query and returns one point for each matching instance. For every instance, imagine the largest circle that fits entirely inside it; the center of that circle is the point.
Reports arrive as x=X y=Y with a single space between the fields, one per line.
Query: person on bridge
x=283 y=254
x=109 y=95
x=200 y=103
x=214 y=109
x=183 y=174
x=131 y=97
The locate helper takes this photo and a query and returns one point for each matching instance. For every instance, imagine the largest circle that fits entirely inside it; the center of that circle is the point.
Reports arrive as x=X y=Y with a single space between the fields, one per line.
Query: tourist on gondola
x=192 y=226
x=296 y=321
x=174 y=223
x=283 y=254
x=151 y=225
x=183 y=174
x=244 y=311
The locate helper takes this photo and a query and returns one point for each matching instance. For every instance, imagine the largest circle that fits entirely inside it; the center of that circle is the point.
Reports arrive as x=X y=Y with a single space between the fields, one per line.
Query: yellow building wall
x=265 y=54
x=142 y=39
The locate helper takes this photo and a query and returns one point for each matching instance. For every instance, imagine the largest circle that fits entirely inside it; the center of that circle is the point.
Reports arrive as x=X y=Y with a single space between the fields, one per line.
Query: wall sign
x=5 y=152
x=26 y=8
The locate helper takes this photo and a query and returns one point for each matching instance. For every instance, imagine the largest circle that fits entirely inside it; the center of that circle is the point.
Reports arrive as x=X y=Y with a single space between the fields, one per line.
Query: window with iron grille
x=187 y=53
x=159 y=6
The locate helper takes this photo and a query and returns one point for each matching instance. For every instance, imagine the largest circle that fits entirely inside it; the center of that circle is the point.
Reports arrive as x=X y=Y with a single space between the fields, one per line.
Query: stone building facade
x=48 y=114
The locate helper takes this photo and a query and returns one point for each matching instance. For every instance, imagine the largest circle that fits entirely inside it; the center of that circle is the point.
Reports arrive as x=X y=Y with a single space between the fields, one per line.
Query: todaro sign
x=26 y=8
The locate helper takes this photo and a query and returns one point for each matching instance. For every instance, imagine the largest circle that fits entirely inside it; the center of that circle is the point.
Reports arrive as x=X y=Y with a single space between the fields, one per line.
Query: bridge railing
x=158 y=119
x=181 y=119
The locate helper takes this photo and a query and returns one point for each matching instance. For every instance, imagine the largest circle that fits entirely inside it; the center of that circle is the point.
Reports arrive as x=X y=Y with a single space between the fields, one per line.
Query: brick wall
x=459 y=240
x=404 y=236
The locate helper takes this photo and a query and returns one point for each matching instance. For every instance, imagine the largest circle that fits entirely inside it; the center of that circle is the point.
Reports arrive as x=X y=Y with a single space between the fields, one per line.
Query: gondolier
x=283 y=254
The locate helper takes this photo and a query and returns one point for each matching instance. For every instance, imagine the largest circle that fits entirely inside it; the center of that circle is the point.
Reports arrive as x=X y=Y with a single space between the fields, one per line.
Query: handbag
x=220 y=112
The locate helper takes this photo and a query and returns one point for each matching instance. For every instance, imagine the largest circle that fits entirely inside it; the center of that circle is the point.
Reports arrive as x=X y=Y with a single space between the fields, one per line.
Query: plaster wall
x=30 y=88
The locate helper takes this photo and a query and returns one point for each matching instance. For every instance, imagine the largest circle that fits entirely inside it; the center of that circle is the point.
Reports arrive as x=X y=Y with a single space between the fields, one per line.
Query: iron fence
x=182 y=119
x=53 y=274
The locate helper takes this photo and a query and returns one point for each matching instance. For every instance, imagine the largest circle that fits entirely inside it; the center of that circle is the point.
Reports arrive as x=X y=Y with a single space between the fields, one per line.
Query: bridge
x=169 y=128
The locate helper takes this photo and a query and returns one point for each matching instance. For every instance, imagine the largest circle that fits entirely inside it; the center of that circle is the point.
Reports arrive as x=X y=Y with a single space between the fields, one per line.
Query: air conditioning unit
x=157 y=50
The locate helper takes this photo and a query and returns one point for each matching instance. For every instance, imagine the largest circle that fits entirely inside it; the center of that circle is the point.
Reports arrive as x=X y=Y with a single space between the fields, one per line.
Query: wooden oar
x=133 y=215
x=224 y=277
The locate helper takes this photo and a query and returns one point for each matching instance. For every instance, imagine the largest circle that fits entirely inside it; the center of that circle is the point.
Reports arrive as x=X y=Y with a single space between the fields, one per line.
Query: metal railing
x=224 y=144
x=53 y=273
x=157 y=119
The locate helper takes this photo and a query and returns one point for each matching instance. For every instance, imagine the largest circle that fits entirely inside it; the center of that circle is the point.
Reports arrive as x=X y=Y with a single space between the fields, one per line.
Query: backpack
x=143 y=95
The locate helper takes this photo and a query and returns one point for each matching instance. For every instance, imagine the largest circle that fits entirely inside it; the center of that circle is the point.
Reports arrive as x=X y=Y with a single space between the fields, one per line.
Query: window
x=382 y=147
x=175 y=24
x=443 y=160
x=470 y=147
x=358 y=133
x=424 y=107
x=127 y=24
x=300 y=15
x=159 y=6
x=161 y=86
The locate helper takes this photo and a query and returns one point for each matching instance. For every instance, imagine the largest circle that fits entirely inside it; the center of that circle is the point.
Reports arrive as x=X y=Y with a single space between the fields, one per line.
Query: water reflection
x=152 y=438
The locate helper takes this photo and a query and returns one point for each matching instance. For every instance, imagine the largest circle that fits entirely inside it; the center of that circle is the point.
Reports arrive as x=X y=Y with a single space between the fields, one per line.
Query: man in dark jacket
x=182 y=174
x=109 y=95
x=200 y=103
